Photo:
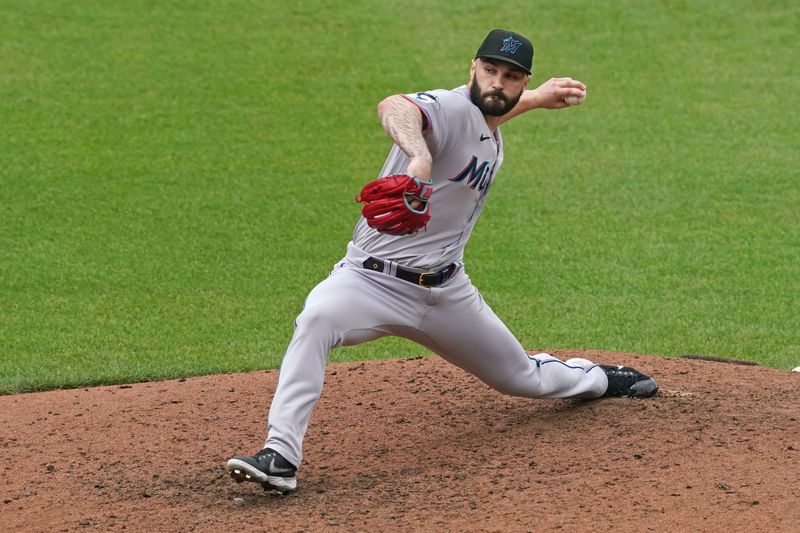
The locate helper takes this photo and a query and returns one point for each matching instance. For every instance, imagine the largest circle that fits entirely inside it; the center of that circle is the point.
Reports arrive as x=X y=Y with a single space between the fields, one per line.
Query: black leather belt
x=424 y=279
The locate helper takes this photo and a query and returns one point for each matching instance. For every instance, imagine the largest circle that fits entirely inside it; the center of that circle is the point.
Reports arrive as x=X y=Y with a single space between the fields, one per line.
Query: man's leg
x=351 y=306
x=464 y=330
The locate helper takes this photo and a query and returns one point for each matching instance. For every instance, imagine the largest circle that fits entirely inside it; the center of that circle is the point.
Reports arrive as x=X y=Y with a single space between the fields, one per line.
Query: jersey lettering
x=476 y=177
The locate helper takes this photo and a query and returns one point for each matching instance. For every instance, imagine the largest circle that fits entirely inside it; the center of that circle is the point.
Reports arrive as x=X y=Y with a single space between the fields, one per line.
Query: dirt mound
x=403 y=445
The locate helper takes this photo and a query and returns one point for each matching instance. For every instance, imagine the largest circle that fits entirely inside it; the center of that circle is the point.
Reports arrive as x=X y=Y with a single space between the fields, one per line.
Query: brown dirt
x=403 y=445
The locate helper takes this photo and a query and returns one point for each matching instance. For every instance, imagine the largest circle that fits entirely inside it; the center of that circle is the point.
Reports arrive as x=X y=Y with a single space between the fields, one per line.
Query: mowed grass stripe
x=177 y=177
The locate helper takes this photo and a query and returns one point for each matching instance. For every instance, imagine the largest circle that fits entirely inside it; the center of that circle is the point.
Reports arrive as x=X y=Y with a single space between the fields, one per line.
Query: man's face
x=496 y=86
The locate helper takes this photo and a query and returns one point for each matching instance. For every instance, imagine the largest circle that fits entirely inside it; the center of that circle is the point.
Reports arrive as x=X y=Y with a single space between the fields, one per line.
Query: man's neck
x=493 y=122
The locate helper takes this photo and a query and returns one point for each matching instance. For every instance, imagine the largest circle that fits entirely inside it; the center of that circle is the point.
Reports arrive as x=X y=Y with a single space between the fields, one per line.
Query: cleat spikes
x=267 y=467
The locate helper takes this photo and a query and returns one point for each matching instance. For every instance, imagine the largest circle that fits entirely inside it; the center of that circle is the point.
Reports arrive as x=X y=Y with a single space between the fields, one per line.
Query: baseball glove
x=388 y=204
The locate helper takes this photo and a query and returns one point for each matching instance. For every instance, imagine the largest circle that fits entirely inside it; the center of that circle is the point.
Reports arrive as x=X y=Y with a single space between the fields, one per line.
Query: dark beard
x=492 y=108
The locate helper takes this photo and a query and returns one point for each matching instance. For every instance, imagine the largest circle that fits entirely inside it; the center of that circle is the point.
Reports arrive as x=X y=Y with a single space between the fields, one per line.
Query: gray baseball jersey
x=466 y=157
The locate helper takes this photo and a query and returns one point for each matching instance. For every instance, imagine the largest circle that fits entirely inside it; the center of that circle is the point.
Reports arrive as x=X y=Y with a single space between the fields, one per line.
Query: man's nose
x=496 y=83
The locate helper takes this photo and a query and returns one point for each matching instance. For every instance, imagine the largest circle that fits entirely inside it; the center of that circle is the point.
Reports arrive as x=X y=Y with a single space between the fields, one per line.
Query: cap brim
x=504 y=59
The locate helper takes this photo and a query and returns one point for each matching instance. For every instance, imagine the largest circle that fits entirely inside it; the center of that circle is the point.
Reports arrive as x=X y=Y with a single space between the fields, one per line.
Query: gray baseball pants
x=355 y=305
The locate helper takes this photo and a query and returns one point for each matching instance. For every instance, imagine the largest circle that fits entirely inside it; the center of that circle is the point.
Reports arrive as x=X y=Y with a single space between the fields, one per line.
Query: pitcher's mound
x=413 y=445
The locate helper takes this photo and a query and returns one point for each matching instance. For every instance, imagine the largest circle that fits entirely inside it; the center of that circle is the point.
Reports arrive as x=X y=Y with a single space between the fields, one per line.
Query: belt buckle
x=422 y=278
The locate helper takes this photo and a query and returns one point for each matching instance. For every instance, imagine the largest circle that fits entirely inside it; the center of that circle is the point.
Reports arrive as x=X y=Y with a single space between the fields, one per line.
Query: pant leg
x=464 y=330
x=351 y=306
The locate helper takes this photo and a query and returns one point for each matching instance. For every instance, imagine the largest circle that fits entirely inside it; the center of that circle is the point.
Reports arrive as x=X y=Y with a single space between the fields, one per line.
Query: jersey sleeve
x=441 y=117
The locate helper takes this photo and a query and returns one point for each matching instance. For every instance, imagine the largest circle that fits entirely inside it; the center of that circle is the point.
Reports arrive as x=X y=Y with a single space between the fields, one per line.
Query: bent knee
x=337 y=327
x=318 y=318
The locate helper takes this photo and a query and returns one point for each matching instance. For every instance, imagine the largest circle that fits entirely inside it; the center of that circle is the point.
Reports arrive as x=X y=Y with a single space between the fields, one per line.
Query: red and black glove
x=397 y=205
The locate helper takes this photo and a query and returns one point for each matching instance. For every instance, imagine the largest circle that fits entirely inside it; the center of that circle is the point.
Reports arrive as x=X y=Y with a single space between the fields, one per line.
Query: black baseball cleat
x=267 y=467
x=625 y=381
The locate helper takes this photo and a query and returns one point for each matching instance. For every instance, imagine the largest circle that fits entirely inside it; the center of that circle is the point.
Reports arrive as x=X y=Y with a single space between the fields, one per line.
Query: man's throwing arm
x=549 y=95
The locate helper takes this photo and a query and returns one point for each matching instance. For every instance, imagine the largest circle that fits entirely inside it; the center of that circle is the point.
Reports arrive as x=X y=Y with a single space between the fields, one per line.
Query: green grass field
x=176 y=176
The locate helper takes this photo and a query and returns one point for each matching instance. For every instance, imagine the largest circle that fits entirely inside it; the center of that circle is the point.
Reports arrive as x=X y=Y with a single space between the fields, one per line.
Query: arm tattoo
x=403 y=124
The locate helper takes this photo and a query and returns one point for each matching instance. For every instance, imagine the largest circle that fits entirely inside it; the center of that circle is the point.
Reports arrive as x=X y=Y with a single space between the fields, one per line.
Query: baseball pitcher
x=404 y=273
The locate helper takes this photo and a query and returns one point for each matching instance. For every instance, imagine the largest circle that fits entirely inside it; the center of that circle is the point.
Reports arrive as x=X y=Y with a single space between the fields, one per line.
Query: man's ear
x=472 y=67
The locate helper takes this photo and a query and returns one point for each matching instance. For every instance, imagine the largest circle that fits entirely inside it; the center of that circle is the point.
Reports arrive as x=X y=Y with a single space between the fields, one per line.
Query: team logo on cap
x=510 y=45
